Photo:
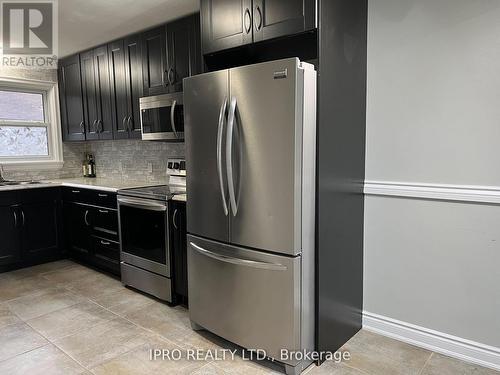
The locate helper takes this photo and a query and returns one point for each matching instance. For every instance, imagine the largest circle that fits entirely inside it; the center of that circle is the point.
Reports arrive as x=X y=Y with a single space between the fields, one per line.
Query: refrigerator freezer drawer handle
x=229 y=155
x=219 y=155
x=239 y=261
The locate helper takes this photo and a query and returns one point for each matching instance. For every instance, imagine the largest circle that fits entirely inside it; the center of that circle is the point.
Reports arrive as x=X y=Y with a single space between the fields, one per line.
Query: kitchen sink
x=17 y=183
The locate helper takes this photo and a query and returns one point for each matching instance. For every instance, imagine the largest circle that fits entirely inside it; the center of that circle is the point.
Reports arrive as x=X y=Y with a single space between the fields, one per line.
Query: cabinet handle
x=258 y=25
x=75 y=191
x=104 y=211
x=129 y=123
x=100 y=126
x=173 y=219
x=15 y=218
x=94 y=126
x=105 y=243
x=22 y=216
x=163 y=78
x=85 y=218
x=248 y=21
x=103 y=195
x=171 y=76
x=82 y=127
x=124 y=123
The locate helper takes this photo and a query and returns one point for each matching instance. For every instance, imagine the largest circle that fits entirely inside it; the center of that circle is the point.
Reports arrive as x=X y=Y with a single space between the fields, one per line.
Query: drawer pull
x=75 y=191
x=105 y=243
x=103 y=195
x=104 y=211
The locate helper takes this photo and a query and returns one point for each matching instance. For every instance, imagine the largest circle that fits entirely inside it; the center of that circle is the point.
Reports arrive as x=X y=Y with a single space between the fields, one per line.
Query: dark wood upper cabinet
x=225 y=24
x=154 y=64
x=126 y=86
x=277 y=18
x=134 y=86
x=70 y=99
x=183 y=51
x=96 y=94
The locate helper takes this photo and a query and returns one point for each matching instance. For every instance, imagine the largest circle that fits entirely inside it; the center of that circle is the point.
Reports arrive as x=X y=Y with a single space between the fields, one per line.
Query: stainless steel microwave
x=162 y=117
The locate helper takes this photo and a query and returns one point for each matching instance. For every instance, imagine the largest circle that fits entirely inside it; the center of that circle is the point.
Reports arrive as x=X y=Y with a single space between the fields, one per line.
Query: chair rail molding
x=443 y=192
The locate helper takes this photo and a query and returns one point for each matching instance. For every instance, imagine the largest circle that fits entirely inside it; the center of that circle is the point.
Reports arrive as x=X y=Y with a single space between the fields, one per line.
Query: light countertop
x=103 y=184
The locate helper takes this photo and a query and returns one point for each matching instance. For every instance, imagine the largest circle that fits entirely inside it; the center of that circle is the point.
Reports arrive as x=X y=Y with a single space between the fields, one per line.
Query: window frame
x=50 y=98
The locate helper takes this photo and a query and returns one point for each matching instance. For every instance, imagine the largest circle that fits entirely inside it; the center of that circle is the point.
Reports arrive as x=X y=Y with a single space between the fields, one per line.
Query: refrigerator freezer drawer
x=245 y=296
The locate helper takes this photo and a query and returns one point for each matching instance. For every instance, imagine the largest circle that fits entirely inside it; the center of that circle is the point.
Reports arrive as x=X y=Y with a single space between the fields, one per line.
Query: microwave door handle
x=220 y=131
x=229 y=155
x=172 y=117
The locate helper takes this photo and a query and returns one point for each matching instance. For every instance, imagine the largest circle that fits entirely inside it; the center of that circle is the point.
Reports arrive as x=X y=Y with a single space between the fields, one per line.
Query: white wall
x=433 y=117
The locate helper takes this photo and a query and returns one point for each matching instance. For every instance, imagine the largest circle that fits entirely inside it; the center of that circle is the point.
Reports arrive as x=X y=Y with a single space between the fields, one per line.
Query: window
x=29 y=127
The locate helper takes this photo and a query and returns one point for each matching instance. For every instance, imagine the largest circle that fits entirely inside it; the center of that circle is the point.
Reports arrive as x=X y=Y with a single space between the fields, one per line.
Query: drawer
x=105 y=220
x=103 y=198
x=8 y=198
x=37 y=195
x=262 y=289
x=71 y=194
x=106 y=253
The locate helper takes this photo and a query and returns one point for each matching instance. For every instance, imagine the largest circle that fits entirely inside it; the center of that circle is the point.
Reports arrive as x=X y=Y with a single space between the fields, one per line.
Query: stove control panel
x=176 y=167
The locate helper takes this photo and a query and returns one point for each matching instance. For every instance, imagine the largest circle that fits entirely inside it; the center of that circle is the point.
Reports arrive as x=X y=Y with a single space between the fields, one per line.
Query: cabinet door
x=104 y=124
x=225 y=24
x=89 y=94
x=9 y=245
x=276 y=18
x=183 y=51
x=40 y=235
x=154 y=61
x=179 y=247
x=118 y=89
x=134 y=85
x=78 y=228
x=70 y=96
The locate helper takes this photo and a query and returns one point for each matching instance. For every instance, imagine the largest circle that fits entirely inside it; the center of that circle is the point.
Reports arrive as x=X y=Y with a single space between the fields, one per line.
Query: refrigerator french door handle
x=239 y=261
x=220 y=130
x=229 y=155
x=172 y=118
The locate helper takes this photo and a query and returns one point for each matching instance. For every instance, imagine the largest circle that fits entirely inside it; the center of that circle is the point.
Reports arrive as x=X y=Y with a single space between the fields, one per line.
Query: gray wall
x=434 y=117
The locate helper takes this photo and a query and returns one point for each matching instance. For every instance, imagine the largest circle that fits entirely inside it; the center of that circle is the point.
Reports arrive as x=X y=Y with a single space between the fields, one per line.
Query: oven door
x=144 y=235
x=162 y=117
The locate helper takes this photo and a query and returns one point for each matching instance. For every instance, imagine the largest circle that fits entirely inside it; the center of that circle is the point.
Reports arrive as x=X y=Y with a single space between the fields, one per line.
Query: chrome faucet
x=1 y=174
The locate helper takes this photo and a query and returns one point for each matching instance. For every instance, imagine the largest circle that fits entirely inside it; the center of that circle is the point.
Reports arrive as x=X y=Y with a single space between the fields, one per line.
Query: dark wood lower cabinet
x=178 y=244
x=91 y=221
x=10 y=243
x=30 y=227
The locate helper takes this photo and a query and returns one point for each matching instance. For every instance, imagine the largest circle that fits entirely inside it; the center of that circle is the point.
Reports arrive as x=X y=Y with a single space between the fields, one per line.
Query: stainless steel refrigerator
x=250 y=153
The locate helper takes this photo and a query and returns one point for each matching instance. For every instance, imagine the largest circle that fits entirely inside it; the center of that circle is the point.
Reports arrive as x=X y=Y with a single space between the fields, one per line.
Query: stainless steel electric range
x=145 y=256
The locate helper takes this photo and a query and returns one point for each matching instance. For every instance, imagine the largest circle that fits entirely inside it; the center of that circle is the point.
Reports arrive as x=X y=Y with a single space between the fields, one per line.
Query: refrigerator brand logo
x=29 y=29
x=280 y=74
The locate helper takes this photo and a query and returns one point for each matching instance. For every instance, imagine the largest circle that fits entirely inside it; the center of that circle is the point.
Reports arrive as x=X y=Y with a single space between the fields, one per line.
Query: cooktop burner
x=160 y=192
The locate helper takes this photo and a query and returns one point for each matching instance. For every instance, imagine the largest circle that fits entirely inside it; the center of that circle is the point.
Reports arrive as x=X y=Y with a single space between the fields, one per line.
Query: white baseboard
x=439 y=342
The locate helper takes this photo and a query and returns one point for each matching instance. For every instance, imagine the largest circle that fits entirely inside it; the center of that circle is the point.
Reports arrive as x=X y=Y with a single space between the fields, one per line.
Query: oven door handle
x=142 y=204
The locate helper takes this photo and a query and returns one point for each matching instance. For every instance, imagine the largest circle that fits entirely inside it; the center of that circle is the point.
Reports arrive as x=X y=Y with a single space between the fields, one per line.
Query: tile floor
x=64 y=318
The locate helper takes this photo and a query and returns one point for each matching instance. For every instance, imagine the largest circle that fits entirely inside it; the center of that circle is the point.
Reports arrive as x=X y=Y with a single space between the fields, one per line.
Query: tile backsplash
x=132 y=160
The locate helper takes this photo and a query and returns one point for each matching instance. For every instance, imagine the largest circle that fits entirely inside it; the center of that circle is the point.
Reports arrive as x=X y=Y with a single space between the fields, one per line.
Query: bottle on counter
x=92 y=166
x=85 y=165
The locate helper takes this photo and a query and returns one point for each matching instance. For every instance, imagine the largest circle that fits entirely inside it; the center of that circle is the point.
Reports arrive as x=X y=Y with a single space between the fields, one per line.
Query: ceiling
x=88 y=23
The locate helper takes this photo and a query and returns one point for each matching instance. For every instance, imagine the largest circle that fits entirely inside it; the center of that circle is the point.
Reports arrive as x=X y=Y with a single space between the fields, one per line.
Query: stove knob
x=183 y=166
x=170 y=165
x=176 y=165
